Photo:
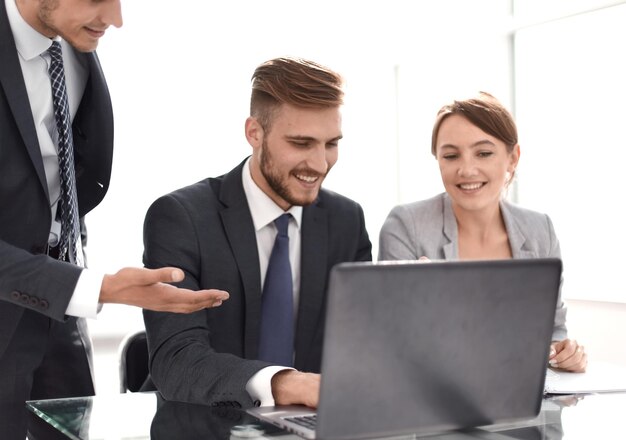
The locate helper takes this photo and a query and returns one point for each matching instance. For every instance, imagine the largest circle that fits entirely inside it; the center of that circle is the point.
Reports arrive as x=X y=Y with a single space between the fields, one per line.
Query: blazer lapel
x=12 y=82
x=93 y=137
x=240 y=233
x=450 y=231
x=517 y=239
x=313 y=278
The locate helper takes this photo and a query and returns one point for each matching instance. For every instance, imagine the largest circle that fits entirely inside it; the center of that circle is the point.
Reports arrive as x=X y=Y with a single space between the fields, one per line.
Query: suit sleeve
x=36 y=282
x=183 y=364
x=396 y=237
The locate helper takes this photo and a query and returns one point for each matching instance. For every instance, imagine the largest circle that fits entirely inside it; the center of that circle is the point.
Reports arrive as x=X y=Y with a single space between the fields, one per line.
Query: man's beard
x=276 y=182
x=46 y=8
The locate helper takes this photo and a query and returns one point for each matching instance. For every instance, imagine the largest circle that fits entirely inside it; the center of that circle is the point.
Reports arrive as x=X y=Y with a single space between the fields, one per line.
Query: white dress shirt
x=264 y=211
x=32 y=52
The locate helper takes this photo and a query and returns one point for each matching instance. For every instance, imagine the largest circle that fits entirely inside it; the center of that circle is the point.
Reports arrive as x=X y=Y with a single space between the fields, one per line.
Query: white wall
x=570 y=111
x=599 y=326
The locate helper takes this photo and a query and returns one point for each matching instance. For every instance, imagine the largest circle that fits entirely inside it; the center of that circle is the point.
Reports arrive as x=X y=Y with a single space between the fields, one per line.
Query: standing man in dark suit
x=221 y=232
x=44 y=348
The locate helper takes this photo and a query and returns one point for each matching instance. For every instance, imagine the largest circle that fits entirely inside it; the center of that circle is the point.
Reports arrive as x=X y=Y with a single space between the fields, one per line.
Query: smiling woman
x=475 y=144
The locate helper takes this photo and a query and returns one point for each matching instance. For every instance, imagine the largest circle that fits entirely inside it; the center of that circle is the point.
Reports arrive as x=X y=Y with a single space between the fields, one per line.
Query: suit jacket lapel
x=313 y=277
x=517 y=239
x=239 y=230
x=93 y=137
x=12 y=83
x=450 y=231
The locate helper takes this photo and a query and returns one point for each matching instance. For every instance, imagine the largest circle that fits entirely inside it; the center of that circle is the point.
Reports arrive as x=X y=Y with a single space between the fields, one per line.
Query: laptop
x=421 y=348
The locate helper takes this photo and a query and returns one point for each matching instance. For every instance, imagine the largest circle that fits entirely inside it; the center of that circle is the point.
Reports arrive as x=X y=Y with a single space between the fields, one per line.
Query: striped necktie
x=69 y=243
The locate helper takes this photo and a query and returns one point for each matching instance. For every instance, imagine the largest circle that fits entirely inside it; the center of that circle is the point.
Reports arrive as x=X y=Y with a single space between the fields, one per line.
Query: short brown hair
x=486 y=113
x=294 y=81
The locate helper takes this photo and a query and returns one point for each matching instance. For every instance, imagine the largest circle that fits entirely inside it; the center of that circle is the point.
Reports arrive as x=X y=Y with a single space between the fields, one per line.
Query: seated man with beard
x=266 y=233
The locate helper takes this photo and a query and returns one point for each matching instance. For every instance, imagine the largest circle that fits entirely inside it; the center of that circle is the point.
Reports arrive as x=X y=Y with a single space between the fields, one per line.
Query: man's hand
x=567 y=355
x=291 y=387
x=146 y=288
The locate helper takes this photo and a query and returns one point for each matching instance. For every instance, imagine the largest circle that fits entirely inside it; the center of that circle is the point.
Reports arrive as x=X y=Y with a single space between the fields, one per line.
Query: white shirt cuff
x=259 y=387
x=84 y=301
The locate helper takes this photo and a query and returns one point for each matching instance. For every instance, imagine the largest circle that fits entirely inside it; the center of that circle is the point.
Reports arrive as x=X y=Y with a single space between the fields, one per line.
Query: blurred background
x=179 y=75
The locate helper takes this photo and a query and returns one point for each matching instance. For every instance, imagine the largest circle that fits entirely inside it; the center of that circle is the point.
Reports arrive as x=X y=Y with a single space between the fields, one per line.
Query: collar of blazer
x=517 y=238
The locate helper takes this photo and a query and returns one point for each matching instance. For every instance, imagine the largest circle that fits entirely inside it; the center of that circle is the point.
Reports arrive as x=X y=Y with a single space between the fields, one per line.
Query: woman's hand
x=568 y=355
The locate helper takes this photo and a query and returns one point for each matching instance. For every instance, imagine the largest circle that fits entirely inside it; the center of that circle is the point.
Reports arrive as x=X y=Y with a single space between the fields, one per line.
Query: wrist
x=283 y=383
x=104 y=297
x=292 y=387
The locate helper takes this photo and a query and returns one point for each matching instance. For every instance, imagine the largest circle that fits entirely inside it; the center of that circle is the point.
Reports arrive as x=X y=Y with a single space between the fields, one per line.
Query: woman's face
x=475 y=166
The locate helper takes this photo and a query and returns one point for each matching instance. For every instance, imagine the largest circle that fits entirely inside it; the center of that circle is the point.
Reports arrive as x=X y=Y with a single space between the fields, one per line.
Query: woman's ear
x=515 y=154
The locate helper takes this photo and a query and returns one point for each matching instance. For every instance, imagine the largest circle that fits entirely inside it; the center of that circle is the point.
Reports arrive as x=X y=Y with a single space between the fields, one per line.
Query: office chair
x=133 y=355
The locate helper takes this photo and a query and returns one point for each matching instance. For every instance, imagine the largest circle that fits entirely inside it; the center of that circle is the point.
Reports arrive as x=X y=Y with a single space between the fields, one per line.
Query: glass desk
x=147 y=416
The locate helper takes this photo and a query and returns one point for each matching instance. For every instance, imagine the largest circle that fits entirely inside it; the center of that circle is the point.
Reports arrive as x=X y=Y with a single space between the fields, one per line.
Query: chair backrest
x=133 y=355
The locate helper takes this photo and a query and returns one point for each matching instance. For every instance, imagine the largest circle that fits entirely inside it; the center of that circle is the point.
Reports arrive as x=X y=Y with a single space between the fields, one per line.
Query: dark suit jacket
x=27 y=278
x=206 y=229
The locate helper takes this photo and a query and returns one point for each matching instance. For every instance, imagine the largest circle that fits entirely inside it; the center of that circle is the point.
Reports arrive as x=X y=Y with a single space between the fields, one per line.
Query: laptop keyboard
x=306 y=421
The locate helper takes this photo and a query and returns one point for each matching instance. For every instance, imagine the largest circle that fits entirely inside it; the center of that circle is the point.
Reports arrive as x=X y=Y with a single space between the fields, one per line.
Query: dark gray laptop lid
x=424 y=347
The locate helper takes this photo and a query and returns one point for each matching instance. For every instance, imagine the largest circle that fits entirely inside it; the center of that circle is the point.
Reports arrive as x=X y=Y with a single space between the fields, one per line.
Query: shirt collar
x=263 y=209
x=28 y=42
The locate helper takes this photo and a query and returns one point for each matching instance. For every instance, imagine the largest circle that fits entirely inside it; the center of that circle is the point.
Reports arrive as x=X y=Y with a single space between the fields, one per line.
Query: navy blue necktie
x=277 y=322
x=69 y=242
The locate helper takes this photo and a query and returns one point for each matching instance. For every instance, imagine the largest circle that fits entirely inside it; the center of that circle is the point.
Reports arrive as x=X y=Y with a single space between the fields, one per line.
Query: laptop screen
x=425 y=347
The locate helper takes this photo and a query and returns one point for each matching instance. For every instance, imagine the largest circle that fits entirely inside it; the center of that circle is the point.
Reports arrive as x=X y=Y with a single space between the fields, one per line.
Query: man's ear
x=254 y=132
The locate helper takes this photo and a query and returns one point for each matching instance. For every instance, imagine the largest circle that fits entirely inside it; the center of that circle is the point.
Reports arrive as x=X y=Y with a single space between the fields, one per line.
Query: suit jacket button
x=15 y=295
x=33 y=301
x=43 y=304
x=24 y=299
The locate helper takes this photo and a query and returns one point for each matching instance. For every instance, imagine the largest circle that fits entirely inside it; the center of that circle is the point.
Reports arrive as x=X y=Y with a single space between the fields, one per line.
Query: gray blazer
x=428 y=228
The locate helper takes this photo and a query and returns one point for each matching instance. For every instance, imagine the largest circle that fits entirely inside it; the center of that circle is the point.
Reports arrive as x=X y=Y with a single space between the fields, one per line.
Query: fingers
x=162 y=275
x=177 y=275
x=176 y=300
x=150 y=289
x=568 y=355
x=209 y=298
x=577 y=363
x=138 y=276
